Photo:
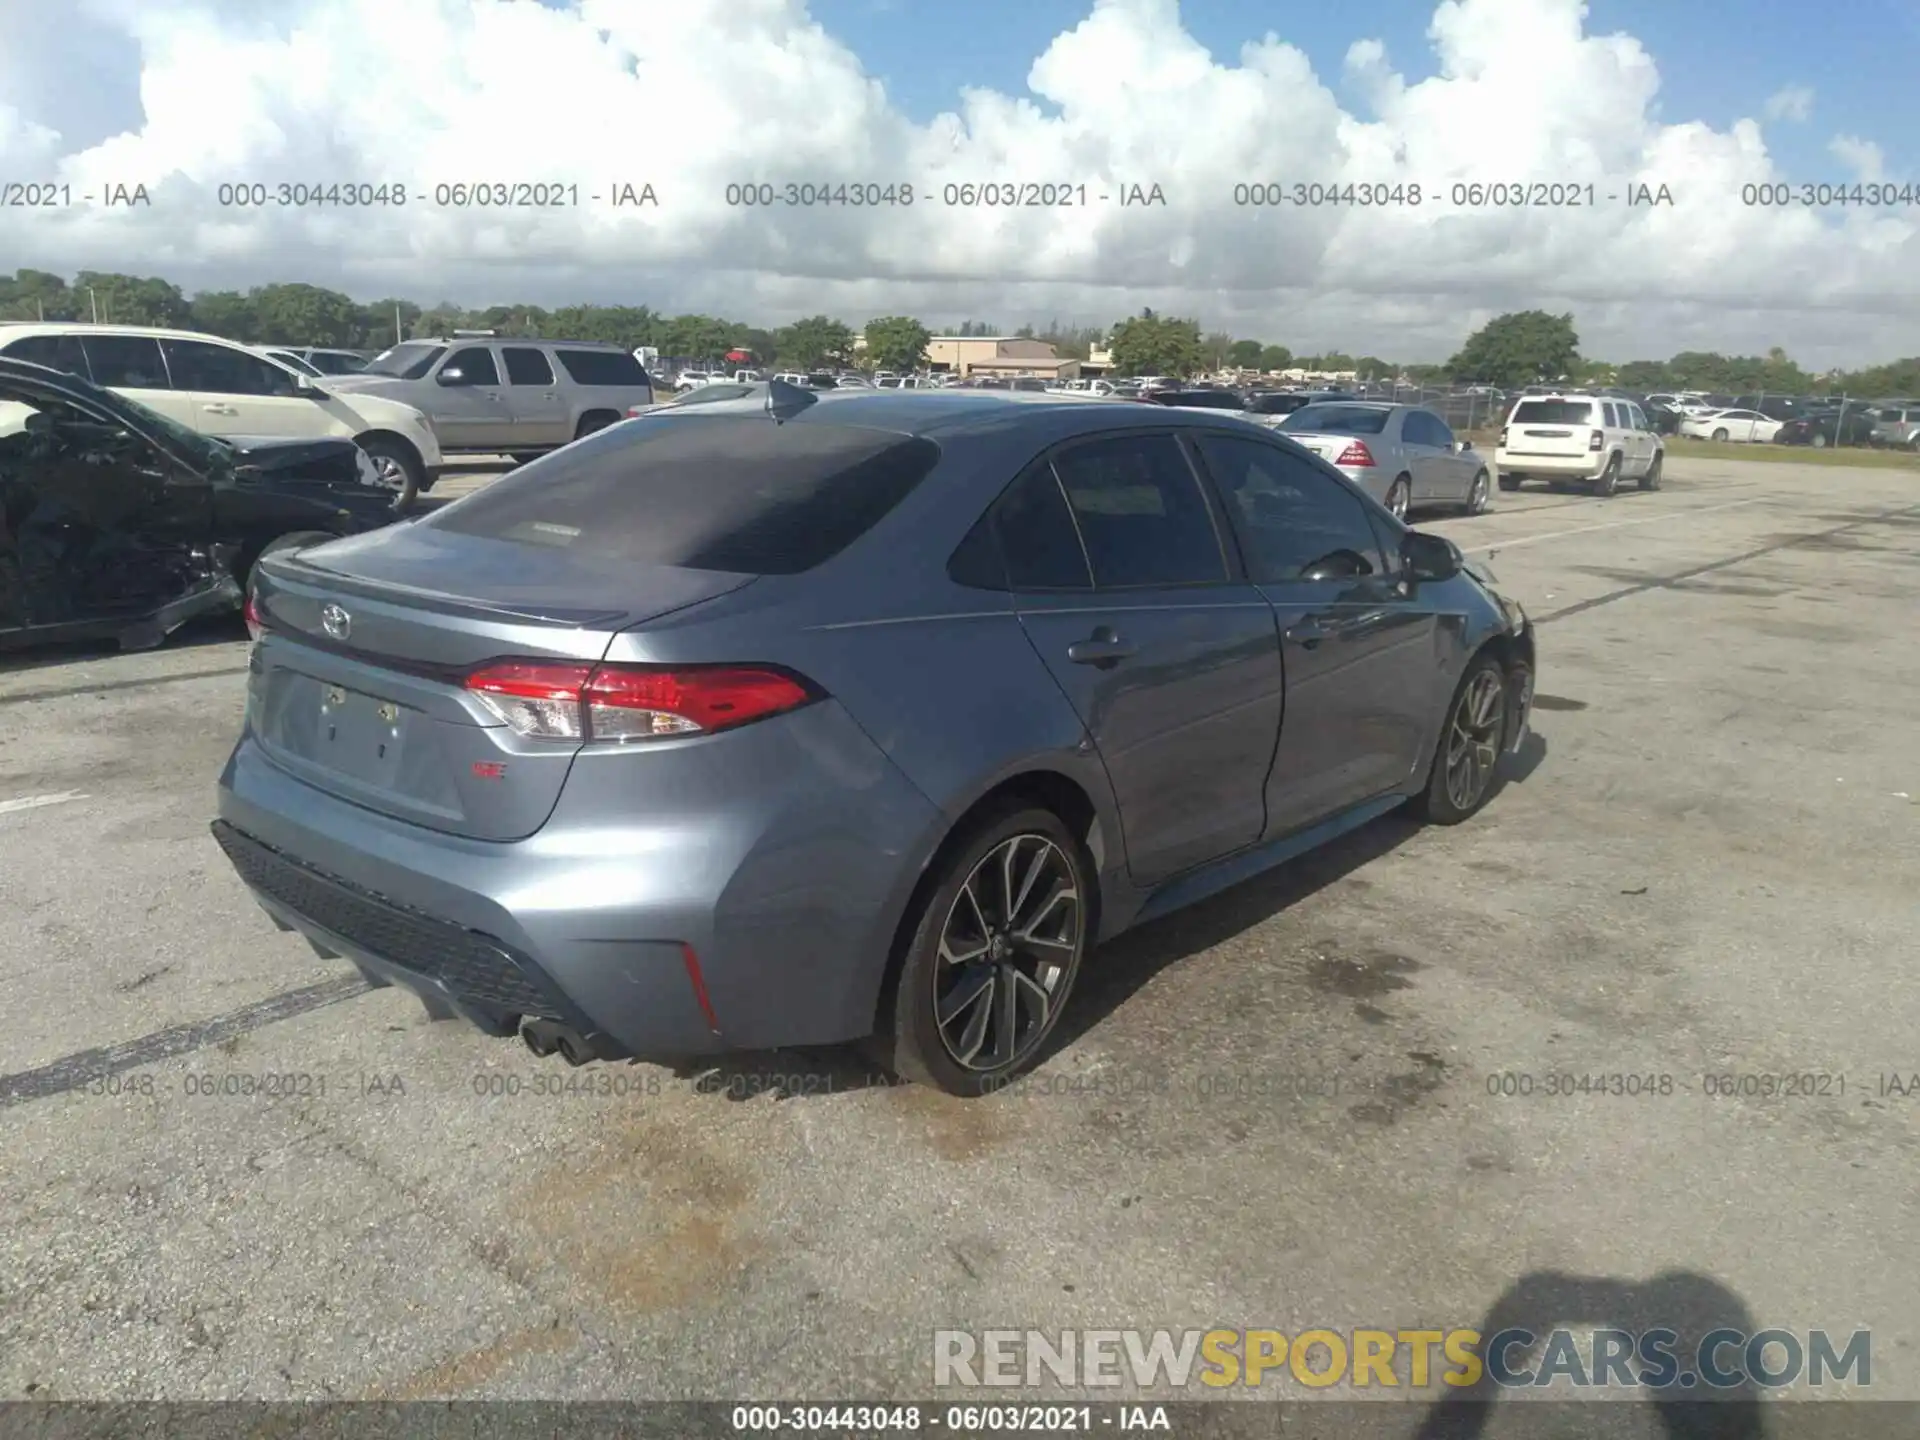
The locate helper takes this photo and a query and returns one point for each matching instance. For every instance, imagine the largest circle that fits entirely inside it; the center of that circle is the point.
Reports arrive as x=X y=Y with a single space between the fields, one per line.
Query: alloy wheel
x=392 y=473
x=1397 y=498
x=1010 y=942
x=1473 y=739
x=1477 y=497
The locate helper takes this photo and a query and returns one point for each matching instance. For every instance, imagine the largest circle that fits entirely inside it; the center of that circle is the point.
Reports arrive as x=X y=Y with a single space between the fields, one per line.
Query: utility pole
x=397 y=336
x=94 y=300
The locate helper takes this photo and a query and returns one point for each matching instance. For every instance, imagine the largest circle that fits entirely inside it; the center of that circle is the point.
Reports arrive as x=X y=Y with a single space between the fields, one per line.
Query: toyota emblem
x=336 y=622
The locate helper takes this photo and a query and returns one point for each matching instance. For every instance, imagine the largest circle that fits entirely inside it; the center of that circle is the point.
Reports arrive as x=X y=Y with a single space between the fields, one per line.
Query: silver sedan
x=1404 y=456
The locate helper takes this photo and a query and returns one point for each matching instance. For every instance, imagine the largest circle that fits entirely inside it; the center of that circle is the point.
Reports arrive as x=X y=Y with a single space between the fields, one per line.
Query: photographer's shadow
x=1688 y=1304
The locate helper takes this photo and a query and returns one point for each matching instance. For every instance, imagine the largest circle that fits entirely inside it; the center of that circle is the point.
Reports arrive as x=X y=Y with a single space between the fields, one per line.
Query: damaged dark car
x=119 y=523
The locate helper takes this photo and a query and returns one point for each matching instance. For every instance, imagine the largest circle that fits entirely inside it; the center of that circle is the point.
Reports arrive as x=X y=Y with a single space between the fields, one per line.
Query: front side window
x=216 y=369
x=1141 y=513
x=475 y=366
x=1295 y=522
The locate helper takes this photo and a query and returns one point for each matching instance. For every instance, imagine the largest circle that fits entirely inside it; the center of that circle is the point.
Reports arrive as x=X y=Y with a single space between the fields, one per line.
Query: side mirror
x=1429 y=557
x=303 y=386
x=452 y=375
x=1465 y=446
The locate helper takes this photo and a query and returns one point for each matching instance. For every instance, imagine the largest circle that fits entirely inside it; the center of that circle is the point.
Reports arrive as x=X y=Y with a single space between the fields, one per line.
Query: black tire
x=1609 y=480
x=1477 y=495
x=391 y=450
x=525 y=457
x=1402 y=489
x=1651 y=480
x=1510 y=482
x=909 y=1040
x=592 y=421
x=1819 y=441
x=1440 y=803
x=1720 y=435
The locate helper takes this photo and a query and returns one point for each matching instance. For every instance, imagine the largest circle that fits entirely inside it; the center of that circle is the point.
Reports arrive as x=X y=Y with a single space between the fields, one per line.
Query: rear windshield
x=735 y=493
x=1553 y=412
x=602 y=367
x=1337 y=420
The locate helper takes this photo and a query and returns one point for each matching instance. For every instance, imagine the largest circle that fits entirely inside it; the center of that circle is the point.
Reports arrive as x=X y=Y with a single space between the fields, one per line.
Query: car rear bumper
x=666 y=931
x=1585 y=466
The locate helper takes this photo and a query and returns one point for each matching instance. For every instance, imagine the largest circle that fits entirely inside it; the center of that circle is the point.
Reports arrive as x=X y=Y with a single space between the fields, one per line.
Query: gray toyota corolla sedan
x=790 y=718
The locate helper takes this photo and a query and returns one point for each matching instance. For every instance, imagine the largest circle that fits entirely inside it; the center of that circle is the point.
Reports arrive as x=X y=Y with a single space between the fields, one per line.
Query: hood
x=333 y=463
x=348 y=385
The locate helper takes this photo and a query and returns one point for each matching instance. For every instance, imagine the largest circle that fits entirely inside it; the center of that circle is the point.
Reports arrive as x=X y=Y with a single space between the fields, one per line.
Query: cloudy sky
x=1704 y=97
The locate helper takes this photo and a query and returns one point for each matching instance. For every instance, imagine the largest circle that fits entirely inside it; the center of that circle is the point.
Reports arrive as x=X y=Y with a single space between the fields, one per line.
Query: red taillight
x=563 y=701
x=1356 y=453
x=1597 y=440
x=256 y=620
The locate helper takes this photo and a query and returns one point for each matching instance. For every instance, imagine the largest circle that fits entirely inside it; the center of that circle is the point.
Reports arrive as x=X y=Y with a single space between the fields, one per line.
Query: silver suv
x=491 y=396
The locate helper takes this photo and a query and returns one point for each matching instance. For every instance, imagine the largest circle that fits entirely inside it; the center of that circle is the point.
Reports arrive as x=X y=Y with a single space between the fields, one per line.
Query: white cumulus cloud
x=1864 y=158
x=1526 y=104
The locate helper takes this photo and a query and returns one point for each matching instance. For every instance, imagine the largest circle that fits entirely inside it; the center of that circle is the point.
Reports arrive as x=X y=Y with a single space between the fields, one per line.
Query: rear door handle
x=219 y=410
x=1308 y=633
x=1103 y=647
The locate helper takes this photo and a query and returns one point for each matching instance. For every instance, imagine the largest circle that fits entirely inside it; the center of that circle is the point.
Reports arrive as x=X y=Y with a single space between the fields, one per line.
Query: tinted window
x=1636 y=418
x=56 y=352
x=526 y=367
x=1553 y=412
x=336 y=362
x=1200 y=399
x=602 y=367
x=1296 y=522
x=1420 y=428
x=731 y=493
x=1276 y=404
x=1338 y=420
x=405 y=362
x=130 y=361
x=1037 y=537
x=1141 y=512
x=1612 y=413
x=216 y=369
x=475 y=364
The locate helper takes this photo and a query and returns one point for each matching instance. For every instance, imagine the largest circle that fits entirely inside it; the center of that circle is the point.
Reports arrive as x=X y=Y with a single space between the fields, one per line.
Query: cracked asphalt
x=1280 y=1109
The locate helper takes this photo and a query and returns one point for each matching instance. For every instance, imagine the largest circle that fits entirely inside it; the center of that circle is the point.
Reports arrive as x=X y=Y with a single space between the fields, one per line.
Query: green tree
x=1275 y=357
x=1524 y=347
x=32 y=294
x=1372 y=367
x=1245 y=354
x=897 y=342
x=1151 y=345
x=817 y=340
x=305 y=315
x=224 y=312
x=1644 y=376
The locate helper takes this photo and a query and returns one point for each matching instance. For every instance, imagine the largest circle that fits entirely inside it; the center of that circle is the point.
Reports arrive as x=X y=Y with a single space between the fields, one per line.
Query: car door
x=237 y=393
x=1646 y=442
x=540 y=413
x=1422 y=457
x=1128 y=589
x=103 y=523
x=1357 y=645
x=1454 y=469
x=133 y=365
x=473 y=412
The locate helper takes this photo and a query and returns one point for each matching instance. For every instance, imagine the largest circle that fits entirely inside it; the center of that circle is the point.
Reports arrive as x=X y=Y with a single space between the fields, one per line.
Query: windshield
x=410 y=361
x=1337 y=420
x=293 y=361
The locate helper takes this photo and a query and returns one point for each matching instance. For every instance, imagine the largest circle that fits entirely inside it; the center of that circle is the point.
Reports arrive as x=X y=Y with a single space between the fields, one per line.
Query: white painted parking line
x=1614 y=525
x=34 y=802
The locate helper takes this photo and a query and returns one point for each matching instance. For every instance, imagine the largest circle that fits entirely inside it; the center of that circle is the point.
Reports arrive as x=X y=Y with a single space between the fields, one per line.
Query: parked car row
x=615 y=754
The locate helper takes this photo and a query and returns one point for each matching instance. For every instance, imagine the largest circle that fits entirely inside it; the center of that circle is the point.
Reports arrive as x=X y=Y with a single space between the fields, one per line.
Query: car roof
x=937 y=413
x=20 y=328
x=514 y=340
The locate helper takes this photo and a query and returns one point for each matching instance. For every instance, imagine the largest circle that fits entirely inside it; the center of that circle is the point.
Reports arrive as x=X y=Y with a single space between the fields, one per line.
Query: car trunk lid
x=1552 y=428
x=358 y=684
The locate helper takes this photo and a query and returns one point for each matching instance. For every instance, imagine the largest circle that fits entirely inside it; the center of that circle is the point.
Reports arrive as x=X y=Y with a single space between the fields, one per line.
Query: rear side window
x=732 y=493
x=130 y=361
x=56 y=352
x=602 y=367
x=1142 y=515
x=526 y=366
x=1553 y=412
x=1037 y=535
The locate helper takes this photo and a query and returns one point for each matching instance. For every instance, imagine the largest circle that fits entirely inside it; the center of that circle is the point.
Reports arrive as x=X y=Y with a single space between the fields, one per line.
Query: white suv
x=222 y=388
x=1591 y=440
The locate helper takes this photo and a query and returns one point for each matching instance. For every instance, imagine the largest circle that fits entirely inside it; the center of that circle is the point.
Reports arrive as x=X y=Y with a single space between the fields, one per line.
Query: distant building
x=1001 y=355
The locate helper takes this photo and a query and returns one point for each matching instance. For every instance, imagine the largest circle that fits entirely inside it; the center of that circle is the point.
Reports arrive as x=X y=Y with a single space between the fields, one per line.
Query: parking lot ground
x=1279 y=1109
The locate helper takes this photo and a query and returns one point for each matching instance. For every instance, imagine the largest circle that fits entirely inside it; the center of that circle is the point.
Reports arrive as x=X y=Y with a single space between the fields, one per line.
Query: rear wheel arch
x=592 y=420
x=387 y=442
x=1047 y=790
